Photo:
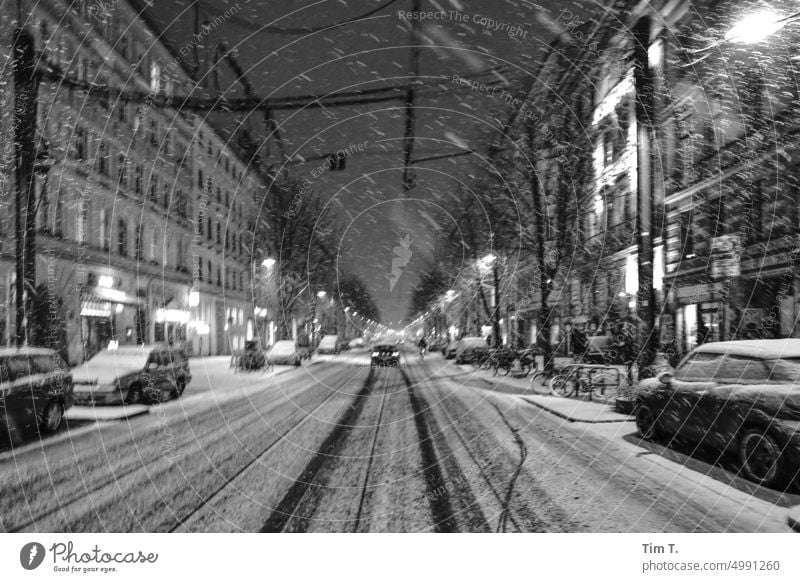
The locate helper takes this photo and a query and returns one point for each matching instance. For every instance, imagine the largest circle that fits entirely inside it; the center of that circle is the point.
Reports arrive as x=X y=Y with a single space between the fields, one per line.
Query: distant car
x=329 y=344
x=132 y=375
x=385 y=355
x=468 y=348
x=436 y=345
x=285 y=352
x=35 y=390
x=740 y=397
x=357 y=342
x=449 y=351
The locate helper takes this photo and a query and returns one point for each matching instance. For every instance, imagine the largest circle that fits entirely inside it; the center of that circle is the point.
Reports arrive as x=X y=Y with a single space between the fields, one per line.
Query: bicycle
x=592 y=379
x=481 y=358
x=503 y=361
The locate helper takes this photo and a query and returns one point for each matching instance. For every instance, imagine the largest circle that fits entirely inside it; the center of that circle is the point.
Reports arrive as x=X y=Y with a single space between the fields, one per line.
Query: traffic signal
x=336 y=161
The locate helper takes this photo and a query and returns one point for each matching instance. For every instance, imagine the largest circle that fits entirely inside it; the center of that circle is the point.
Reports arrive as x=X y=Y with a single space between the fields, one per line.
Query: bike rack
x=583 y=369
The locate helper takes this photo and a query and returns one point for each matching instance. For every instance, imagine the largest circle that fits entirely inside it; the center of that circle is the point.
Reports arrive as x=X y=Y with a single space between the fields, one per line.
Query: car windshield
x=784 y=370
x=473 y=341
x=699 y=366
x=119 y=359
x=283 y=348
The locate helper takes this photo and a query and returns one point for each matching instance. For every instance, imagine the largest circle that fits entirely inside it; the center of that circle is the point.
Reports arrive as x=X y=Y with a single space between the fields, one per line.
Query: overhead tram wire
x=187 y=102
x=244 y=23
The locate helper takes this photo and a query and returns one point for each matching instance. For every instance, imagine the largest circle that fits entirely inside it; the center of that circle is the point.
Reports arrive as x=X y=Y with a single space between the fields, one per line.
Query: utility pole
x=25 y=154
x=643 y=83
x=409 y=180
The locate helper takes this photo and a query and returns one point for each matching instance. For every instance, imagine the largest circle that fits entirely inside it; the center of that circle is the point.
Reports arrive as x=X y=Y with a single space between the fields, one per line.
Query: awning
x=110 y=295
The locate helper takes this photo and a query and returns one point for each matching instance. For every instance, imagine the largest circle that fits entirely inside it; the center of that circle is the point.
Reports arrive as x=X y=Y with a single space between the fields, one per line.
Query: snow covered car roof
x=765 y=349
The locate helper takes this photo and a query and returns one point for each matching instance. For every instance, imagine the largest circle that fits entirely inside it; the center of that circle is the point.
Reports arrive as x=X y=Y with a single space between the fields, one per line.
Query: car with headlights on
x=136 y=374
x=738 y=397
x=385 y=355
x=36 y=389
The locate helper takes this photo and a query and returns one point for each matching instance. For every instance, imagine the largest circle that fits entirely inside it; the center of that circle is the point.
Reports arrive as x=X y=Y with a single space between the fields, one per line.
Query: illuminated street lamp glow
x=755 y=27
x=321 y=294
x=488 y=259
x=268 y=263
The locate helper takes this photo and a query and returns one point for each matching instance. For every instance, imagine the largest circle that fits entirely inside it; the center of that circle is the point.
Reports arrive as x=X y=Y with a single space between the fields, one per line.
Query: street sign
x=726 y=252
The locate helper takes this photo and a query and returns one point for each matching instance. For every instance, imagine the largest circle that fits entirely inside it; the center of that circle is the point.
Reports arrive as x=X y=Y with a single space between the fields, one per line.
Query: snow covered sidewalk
x=575 y=410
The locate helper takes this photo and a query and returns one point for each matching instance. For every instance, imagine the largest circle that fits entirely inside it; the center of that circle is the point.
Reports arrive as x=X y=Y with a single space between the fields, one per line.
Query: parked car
x=132 y=375
x=357 y=342
x=449 y=351
x=741 y=397
x=329 y=344
x=36 y=390
x=285 y=352
x=437 y=345
x=385 y=355
x=468 y=348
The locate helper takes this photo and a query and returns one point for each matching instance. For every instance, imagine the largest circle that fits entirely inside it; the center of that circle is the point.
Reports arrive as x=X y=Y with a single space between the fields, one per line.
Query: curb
x=571 y=418
x=106 y=413
x=793 y=519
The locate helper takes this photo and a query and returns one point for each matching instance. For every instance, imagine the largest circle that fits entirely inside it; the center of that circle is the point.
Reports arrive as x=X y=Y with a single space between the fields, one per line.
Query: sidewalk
x=576 y=410
x=572 y=409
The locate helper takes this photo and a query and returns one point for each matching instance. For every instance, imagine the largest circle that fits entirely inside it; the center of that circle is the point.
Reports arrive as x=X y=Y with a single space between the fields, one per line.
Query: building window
x=82 y=222
x=155 y=77
x=58 y=216
x=122 y=237
x=102 y=163
x=139 y=250
x=153 y=133
x=139 y=179
x=754 y=214
x=122 y=170
x=685 y=236
x=154 y=189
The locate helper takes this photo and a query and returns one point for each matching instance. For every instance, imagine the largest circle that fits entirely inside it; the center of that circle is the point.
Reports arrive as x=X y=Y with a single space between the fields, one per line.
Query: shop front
x=168 y=313
x=107 y=314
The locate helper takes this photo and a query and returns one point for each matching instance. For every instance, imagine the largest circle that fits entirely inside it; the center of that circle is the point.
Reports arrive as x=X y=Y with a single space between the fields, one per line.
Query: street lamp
x=268 y=263
x=321 y=294
x=756 y=27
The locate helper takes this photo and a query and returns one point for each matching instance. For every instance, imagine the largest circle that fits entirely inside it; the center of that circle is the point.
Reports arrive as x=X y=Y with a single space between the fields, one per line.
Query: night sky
x=375 y=52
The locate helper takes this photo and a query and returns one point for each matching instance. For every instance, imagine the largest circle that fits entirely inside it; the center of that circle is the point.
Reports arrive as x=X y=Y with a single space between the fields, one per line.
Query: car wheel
x=761 y=457
x=134 y=395
x=52 y=417
x=646 y=422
